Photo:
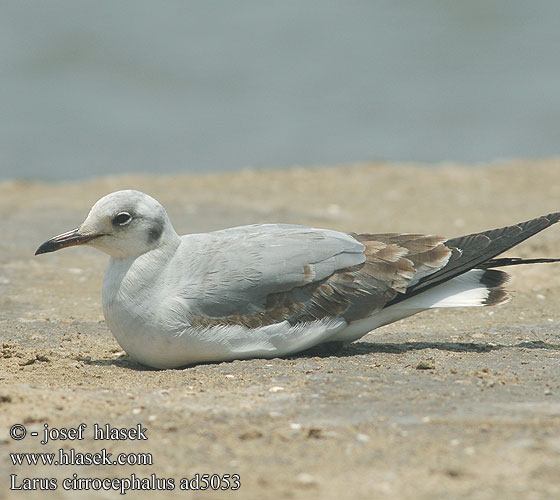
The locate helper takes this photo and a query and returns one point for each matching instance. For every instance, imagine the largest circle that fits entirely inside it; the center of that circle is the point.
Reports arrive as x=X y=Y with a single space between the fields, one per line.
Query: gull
x=270 y=290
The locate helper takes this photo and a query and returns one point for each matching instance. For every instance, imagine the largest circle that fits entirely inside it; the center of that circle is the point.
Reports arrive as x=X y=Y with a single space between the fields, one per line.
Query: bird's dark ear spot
x=155 y=231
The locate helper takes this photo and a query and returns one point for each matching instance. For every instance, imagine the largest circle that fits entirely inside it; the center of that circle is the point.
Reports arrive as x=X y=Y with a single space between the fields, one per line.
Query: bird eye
x=122 y=219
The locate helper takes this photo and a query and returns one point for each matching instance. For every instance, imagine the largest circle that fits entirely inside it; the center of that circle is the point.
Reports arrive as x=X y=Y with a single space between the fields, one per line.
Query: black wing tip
x=479 y=248
x=553 y=218
x=541 y=222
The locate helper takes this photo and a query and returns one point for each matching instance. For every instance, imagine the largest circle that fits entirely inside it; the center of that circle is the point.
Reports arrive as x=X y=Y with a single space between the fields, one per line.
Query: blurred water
x=92 y=88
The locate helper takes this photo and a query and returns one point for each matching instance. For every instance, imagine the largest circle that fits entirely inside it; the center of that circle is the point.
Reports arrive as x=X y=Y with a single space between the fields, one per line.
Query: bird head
x=123 y=224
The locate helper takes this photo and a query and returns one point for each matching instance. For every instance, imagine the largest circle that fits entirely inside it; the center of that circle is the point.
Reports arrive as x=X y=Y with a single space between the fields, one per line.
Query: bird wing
x=262 y=274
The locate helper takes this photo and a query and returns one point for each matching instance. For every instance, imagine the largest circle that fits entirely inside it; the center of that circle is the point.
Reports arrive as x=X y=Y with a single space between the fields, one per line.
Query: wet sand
x=447 y=404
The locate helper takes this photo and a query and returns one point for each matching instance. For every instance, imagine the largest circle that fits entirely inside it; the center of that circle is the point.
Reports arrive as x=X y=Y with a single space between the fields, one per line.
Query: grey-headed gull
x=270 y=290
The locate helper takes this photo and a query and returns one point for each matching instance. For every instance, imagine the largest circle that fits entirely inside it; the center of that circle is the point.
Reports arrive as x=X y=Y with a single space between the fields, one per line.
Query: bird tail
x=477 y=287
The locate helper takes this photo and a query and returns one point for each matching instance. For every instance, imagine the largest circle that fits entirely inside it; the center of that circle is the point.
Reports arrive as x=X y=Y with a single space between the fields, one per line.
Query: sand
x=447 y=404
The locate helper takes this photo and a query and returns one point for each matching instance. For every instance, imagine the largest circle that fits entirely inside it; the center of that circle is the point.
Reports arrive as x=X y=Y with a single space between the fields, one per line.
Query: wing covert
x=239 y=268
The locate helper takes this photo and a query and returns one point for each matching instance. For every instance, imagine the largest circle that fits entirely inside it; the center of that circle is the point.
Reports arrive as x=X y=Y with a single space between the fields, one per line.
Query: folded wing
x=260 y=275
x=263 y=274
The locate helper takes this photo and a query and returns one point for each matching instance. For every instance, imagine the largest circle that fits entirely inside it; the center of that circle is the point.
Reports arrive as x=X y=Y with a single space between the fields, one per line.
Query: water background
x=101 y=87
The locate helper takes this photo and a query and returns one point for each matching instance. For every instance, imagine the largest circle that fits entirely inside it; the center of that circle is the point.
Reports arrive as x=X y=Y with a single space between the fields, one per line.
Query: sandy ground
x=447 y=404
